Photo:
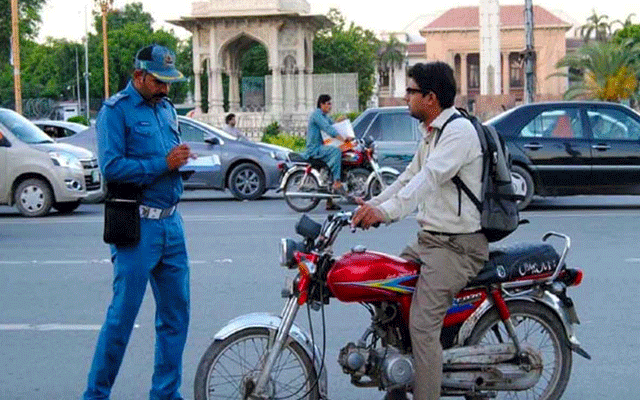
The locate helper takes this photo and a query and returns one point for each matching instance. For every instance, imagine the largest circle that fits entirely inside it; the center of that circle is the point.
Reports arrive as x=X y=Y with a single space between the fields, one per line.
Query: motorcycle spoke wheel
x=300 y=183
x=375 y=187
x=230 y=368
x=357 y=182
x=537 y=328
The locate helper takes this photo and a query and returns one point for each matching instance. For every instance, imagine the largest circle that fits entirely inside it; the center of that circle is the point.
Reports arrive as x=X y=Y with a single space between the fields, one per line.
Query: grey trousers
x=448 y=263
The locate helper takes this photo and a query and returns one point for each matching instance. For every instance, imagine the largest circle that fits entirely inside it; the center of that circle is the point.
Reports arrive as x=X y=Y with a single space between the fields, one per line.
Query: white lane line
x=51 y=327
x=193 y=218
x=632 y=260
x=85 y=262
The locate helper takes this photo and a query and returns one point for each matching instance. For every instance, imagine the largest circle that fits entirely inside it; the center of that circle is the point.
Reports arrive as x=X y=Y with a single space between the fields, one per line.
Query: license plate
x=95 y=176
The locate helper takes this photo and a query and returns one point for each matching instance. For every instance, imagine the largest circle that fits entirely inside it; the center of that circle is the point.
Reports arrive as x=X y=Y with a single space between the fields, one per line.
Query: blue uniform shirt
x=318 y=121
x=134 y=139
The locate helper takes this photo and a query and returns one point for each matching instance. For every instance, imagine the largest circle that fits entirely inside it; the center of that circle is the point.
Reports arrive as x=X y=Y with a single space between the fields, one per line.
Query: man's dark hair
x=436 y=77
x=323 y=98
x=229 y=117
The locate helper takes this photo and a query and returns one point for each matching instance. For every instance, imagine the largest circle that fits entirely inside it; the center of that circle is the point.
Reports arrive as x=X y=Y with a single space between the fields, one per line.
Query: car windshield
x=217 y=131
x=24 y=129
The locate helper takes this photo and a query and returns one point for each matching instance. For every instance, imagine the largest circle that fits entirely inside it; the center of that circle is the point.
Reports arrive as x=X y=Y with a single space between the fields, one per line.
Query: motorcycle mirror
x=308 y=228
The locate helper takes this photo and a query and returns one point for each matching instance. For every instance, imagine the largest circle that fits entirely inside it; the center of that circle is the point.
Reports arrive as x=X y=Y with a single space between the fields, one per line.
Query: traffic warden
x=139 y=143
x=449 y=245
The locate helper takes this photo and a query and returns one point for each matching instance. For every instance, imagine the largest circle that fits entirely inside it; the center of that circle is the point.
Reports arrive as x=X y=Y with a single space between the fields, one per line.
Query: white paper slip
x=204 y=161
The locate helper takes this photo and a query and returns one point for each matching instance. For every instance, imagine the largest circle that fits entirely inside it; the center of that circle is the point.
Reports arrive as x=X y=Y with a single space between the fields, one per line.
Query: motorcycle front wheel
x=300 y=183
x=356 y=180
x=230 y=368
x=375 y=187
x=538 y=328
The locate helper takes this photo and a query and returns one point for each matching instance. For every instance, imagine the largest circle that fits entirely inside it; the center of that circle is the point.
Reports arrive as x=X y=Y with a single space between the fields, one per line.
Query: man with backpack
x=450 y=245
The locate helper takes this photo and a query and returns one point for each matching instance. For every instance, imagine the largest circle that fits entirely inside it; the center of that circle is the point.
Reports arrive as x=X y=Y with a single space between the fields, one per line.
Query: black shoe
x=396 y=394
x=333 y=207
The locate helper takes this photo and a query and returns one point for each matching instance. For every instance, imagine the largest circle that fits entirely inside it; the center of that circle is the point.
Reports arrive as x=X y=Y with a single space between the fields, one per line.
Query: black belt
x=449 y=233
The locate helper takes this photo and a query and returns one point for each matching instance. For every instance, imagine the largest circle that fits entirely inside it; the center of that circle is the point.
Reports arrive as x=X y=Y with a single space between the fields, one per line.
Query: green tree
x=597 y=25
x=628 y=22
x=347 y=48
x=128 y=30
x=29 y=23
x=604 y=71
x=390 y=55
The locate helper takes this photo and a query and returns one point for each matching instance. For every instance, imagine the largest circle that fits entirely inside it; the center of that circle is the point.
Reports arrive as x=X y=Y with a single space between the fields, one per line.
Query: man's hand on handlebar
x=366 y=215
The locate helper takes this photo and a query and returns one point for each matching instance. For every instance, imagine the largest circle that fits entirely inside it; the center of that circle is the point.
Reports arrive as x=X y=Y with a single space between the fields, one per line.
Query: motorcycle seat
x=299 y=158
x=517 y=262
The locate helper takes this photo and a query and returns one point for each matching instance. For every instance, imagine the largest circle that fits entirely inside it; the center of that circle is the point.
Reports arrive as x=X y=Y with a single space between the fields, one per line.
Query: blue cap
x=159 y=62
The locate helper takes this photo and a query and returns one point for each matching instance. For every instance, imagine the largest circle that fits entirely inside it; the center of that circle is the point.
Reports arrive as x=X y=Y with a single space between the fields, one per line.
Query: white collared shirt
x=426 y=182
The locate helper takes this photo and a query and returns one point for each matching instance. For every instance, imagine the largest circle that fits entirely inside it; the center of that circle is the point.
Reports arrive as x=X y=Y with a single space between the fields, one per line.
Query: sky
x=66 y=18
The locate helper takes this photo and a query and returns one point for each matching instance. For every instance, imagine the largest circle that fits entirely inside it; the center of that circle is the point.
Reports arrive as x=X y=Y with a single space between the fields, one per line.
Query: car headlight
x=287 y=248
x=278 y=155
x=66 y=160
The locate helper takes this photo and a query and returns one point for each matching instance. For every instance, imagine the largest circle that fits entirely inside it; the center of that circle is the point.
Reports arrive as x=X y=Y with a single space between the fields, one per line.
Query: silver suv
x=36 y=173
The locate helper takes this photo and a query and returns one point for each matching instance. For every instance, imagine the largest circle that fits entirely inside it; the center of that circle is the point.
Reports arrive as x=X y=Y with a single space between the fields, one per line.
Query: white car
x=59 y=129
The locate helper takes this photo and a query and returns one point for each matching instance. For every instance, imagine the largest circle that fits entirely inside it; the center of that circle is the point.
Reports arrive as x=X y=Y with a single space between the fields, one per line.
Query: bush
x=271 y=130
x=80 y=119
x=295 y=143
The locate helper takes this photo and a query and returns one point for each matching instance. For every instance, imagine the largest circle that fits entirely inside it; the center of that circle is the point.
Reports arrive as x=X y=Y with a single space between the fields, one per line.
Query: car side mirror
x=212 y=141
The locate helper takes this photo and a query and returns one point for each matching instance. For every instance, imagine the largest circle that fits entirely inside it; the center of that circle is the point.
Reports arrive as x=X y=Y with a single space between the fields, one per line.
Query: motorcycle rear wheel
x=538 y=328
x=297 y=182
x=229 y=367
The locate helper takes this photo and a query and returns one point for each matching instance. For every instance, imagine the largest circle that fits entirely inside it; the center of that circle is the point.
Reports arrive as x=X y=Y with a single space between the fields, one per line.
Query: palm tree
x=624 y=25
x=391 y=55
x=605 y=71
x=597 y=24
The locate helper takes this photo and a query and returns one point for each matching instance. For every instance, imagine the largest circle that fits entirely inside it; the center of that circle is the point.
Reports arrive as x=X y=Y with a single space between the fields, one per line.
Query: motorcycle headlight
x=66 y=160
x=287 y=248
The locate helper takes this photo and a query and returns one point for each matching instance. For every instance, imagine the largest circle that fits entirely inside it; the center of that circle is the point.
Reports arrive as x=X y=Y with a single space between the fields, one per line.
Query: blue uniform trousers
x=332 y=156
x=161 y=259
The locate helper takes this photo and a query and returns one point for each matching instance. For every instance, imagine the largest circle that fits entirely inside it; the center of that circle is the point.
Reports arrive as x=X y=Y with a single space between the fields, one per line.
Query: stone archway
x=223 y=30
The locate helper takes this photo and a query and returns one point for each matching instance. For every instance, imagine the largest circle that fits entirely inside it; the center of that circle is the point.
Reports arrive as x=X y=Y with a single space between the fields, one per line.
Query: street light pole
x=529 y=84
x=86 y=64
x=104 y=6
x=15 y=52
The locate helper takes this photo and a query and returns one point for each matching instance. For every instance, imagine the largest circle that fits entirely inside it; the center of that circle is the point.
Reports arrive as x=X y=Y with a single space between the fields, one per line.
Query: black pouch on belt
x=122 y=214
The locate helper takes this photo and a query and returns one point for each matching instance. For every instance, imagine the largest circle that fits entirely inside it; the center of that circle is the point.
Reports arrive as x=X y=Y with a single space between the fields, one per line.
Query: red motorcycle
x=307 y=181
x=508 y=334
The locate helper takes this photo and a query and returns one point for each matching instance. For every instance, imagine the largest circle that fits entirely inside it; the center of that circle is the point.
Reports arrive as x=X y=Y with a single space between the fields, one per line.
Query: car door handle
x=601 y=147
x=532 y=146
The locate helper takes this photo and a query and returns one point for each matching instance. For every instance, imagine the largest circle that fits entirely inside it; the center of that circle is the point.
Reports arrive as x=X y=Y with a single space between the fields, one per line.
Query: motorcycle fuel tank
x=371 y=276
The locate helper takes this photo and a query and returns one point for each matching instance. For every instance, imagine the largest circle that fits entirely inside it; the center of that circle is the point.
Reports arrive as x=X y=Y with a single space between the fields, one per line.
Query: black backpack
x=498 y=205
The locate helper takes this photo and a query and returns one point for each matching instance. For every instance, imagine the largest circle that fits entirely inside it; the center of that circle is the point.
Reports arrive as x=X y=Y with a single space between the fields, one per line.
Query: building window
x=473 y=71
x=516 y=71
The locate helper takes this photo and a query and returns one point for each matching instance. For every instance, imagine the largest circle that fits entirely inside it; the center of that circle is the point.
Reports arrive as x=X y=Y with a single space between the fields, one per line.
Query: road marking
x=51 y=327
x=633 y=260
x=191 y=218
x=102 y=261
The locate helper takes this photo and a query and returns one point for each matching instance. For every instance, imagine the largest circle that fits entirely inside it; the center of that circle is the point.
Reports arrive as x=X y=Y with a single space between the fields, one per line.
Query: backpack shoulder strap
x=451 y=118
x=461 y=185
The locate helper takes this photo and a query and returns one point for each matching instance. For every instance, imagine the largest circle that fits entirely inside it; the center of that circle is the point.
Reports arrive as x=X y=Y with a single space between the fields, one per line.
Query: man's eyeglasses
x=412 y=91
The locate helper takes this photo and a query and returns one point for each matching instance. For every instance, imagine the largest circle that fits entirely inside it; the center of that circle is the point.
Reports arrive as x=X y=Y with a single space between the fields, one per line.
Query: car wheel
x=523 y=185
x=66 y=207
x=33 y=198
x=246 y=182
